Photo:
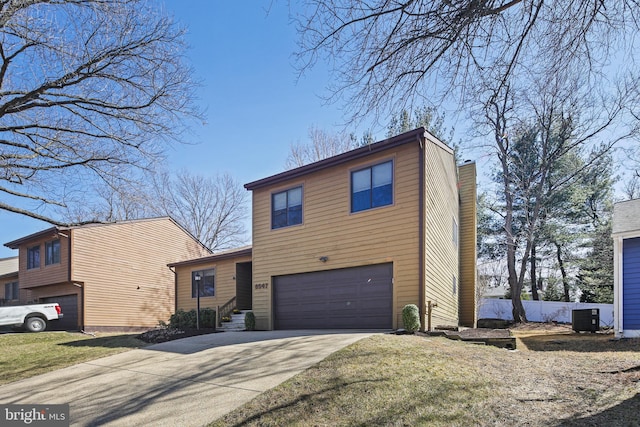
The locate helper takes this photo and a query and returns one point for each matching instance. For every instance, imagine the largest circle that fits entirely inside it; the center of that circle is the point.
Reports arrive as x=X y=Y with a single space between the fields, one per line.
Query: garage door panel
x=359 y=297
x=69 y=306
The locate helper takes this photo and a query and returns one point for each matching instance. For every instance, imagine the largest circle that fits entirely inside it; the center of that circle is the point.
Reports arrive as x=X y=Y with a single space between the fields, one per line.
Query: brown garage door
x=69 y=306
x=359 y=297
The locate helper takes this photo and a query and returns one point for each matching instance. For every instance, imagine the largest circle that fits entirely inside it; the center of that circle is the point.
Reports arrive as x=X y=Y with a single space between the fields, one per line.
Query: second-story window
x=33 y=257
x=52 y=252
x=286 y=208
x=372 y=187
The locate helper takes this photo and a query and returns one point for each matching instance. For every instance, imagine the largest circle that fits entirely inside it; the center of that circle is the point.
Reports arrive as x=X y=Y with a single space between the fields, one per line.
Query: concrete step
x=236 y=324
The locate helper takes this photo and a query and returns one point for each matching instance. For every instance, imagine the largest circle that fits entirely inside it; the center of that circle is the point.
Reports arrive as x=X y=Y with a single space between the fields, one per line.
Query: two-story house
x=348 y=241
x=9 y=281
x=110 y=276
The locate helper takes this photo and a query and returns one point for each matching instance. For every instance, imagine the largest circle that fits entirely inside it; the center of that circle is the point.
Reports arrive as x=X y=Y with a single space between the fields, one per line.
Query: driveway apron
x=187 y=382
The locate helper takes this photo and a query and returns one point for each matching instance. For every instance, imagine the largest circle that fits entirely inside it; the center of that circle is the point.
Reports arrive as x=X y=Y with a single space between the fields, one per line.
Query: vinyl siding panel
x=441 y=253
x=45 y=274
x=631 y=283
x=225 y=285
x=468 y=243
x=123 y=268
x=380 y=235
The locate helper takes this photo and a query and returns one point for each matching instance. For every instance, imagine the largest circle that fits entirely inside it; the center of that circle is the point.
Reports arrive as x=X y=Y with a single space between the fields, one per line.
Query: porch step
x=236 y=324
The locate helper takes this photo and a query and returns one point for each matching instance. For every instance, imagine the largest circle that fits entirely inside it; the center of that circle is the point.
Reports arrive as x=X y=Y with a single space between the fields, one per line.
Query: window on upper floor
x=286 y=208
x=205 y=280
x=372 y=187
x=11 y=291
x=52 y=252
x=455 y=233
x=33 y=257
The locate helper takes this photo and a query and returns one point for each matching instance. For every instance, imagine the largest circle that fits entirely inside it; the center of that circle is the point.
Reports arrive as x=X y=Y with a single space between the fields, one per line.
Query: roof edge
x=417 y=135
x=215 y=257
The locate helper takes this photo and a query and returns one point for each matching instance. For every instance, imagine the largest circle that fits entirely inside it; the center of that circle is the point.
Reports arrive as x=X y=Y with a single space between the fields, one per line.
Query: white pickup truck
x=33 y=318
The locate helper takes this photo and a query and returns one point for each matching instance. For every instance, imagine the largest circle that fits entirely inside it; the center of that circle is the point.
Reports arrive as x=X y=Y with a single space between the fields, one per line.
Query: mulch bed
x=156 y=336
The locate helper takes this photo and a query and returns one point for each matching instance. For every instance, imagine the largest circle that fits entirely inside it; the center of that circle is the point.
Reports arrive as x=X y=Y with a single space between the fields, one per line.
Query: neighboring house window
x=455 y=285
x=286 y=208
x=372 y=187
x=52 y=252
x=11 y=291
x=205 y=279
x=33 y=257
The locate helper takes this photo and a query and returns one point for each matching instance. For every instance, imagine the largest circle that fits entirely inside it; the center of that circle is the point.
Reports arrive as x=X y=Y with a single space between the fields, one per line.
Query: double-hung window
x=11 y=291
x=52 y=252
x=372 y=187
x=286 y=208
x=33 y=257
x=205 y=282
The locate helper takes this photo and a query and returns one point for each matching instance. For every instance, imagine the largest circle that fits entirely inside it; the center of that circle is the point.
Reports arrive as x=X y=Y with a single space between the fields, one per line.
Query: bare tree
x=321 y=145
x=389 y=55
x=212 y=209
x=88 y=90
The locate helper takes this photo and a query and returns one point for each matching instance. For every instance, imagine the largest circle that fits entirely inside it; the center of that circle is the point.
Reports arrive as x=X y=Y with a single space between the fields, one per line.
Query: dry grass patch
x=24 y=355
x=553 y=379
x=382 y=380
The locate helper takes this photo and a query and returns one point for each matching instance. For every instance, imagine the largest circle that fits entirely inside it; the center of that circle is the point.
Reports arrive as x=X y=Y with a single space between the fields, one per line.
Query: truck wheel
x=35 y=324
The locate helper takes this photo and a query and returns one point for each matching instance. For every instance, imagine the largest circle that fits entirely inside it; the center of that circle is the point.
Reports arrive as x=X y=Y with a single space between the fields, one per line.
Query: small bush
x=207 y=318
x=188 y=320
x=411 y=318
x=250 y=321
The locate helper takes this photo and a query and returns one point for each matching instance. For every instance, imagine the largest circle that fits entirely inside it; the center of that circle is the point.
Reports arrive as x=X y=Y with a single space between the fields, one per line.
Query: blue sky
x=256 y=106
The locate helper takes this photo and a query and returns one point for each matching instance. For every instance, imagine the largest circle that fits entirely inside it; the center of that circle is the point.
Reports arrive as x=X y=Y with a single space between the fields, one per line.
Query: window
x=372 y=187
x=286 y=208
x=52 y=252
x=33 y=257
x=11 y=291
x=455 y=285
x=206 y=280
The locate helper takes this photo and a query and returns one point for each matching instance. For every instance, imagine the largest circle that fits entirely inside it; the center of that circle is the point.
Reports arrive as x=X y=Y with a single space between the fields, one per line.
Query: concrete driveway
x=187 y=382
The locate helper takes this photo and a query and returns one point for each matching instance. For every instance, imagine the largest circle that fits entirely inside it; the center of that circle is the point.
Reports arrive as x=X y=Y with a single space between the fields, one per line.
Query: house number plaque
x=261 y=285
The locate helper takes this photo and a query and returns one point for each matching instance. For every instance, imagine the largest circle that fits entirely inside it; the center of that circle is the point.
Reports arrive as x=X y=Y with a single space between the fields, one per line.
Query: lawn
x=24 y=355
x=557 y=378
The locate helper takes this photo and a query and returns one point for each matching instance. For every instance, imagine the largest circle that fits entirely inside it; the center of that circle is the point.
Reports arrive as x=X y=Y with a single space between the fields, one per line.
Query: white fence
x=542 y=311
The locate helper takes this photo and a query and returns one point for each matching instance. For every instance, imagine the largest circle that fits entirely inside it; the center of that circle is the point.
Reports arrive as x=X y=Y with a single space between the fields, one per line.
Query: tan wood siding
x=385 y=234
x=124 y=270
x=45 y=274
x=225 y=284
x=441 y=253
x=468 y=244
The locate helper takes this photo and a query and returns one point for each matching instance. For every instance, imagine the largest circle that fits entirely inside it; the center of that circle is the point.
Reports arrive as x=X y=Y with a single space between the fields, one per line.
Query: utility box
x=587 y=320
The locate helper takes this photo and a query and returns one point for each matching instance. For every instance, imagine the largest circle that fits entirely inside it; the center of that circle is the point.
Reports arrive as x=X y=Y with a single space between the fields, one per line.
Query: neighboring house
x=348 y=241
x=626 y=265
x=223 y=278
x=108 y=276
x=9 y=281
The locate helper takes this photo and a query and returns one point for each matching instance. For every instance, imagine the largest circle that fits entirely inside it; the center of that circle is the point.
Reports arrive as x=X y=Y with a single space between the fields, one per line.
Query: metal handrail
x=226 y=309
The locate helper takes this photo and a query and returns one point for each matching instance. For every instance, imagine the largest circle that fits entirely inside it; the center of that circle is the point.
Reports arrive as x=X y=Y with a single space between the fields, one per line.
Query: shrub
x=183 y=319
x=187 y=319
x=411 y=318
x=250 y=321
x=207 y=318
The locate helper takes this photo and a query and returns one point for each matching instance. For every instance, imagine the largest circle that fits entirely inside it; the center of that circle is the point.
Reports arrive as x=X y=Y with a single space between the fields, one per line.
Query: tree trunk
x=534 y=287
x=565 y=282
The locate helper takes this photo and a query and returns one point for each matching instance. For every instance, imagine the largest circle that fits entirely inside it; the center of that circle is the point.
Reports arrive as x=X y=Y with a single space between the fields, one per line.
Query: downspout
x=175 y=289
x=421 y=237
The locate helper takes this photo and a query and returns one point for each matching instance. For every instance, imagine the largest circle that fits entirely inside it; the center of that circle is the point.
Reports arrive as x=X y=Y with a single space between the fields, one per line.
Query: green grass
x=383 y=380
x=24 y=355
